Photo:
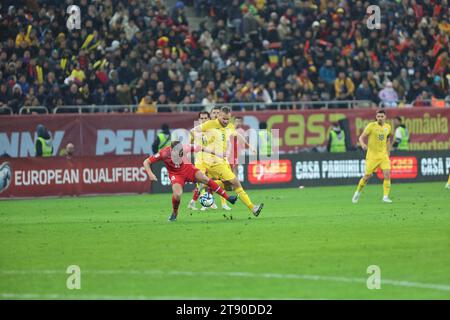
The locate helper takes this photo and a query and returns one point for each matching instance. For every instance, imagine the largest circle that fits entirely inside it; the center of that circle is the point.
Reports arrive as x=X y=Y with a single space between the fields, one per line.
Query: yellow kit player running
x=447 y=186
x=218 y=133
x=215 y=112
x=378 y=149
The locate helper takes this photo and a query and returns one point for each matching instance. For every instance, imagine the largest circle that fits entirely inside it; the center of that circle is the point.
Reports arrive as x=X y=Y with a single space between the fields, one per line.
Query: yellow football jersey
x=378 y=135
x=217 y=138
x=199 y=140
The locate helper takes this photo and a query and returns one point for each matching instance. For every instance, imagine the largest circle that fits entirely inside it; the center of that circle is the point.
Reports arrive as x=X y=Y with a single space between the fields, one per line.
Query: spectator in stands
x=388 y=96
x=78 y=75
x=260 y=94
x=327 y=72
x=422 y=100
x=147 y=105
x=17 y=98
x=344 y=87
x=243 y=43
x=4 y=95
x=364 y=92
x=438 y=88
x=414 y=92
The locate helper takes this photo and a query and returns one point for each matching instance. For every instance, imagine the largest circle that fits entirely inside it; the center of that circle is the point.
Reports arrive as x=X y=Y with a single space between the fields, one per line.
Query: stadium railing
x=239 y=106
x=5 y=109
x=29 y=109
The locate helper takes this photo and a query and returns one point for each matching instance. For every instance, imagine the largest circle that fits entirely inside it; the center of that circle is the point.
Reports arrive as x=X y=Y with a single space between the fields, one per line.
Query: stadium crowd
x=144 y=53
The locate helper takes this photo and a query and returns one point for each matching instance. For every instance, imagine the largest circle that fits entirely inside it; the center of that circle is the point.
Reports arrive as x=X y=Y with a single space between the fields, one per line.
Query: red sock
x=217 y=189
x=175 y=204
x=196 y=194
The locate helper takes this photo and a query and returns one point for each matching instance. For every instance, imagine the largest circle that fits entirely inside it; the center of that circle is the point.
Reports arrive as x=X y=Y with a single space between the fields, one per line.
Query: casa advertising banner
x=133 y=134
x=59 y=176
x=328 y=169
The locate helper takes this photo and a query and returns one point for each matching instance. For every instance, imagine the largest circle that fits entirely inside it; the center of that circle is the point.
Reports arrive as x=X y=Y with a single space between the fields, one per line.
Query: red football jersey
x=180 y=161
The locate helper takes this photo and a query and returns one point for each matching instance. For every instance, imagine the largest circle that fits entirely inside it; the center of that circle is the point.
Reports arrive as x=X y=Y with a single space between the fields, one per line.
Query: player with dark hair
x=215 y=112
x=378 y=133
x=182 y=171
x=203 y=116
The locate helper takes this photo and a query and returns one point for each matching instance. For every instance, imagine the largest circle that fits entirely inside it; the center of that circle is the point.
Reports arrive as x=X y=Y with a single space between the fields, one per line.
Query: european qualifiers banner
x=58 y=176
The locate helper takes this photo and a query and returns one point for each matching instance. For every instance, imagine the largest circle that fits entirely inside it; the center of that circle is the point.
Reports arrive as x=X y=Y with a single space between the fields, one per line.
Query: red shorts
x=183 y=176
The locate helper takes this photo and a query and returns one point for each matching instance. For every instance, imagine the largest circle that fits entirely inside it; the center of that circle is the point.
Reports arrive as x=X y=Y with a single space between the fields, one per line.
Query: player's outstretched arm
x=244 y=142
x=362 y=139
x=197 y=148
x=196 y=130
x=148 y=169
x=210 y=151
x=389 y=144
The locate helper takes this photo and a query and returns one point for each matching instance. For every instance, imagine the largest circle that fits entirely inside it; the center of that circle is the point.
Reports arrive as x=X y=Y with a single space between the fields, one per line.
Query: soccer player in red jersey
x=182 y=171
x=237 y=145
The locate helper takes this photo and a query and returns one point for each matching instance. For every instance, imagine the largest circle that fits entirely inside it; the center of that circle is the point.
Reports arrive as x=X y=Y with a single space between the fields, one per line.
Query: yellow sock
x=386 y=187
x=223 y=201
x=448 y=179
x=362 y=183
x=245 y=198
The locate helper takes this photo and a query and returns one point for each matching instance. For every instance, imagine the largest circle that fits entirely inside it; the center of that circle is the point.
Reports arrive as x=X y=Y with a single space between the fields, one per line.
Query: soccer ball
x=5 y=176
x=207 y=199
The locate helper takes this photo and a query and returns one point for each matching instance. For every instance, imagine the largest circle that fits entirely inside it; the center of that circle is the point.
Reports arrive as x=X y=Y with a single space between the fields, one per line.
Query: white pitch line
x=397 y=283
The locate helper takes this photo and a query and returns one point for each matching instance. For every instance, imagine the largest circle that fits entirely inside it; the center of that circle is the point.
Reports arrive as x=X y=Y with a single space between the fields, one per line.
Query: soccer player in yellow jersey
x=447 y=186
x=215 y=112
x=379 y=136
x=218 y=133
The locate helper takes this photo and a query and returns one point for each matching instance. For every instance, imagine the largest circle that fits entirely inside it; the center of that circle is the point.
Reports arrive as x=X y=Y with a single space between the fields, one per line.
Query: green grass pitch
x=310 y=243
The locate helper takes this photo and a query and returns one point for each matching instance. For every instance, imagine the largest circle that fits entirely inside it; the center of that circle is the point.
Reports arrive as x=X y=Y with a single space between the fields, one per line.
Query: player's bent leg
x=201 y=177
x=223 y=201
x=177 y=191
x=362 y=183
x=386 y=185
x=255 y=209
x=196 y=192
x=195 y=196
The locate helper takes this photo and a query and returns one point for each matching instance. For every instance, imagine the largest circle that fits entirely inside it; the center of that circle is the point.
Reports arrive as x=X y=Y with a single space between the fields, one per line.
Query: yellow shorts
x=220 y=172
x=373 y=164
x=201 y=166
